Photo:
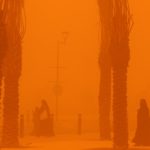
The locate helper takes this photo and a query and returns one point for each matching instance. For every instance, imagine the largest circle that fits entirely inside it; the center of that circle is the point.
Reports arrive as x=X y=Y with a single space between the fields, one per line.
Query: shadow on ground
x=136 y=148
x=19 y=147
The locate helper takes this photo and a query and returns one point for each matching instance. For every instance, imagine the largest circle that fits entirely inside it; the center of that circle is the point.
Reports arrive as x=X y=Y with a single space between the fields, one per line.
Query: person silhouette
x=46 y=120
x=142 y=135
x=36 y=122
x=43 y=120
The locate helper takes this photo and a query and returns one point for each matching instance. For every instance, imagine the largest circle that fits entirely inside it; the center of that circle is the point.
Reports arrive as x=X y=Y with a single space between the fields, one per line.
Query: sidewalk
x=68 y=143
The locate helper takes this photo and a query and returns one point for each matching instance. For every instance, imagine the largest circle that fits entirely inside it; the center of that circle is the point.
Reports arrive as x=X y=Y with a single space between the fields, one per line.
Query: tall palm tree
x=3 y=46
x=15 y=27
x=120 y=55
x=105 y=8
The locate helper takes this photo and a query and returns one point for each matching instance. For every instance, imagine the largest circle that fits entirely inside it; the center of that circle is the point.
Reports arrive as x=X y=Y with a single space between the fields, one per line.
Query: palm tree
x=120 y=55
x=3 y=46
x=14 y=20
x=105 y=8
x=116 y=23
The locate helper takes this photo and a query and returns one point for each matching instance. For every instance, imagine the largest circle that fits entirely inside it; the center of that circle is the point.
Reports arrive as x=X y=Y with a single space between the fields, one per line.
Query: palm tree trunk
x=120 y=56
x=3 y=50
x=1 y=78
x=120 y=121
x=105 y=11
x=12 y=72
x=105 y=100
x=15 y=27
x=10 y=113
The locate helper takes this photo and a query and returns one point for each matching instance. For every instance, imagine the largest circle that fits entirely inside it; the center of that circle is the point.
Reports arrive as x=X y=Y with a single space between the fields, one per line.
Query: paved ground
x=68 y=143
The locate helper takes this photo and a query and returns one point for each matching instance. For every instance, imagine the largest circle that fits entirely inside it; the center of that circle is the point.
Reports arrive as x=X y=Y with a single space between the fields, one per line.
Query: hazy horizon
x=79 y=57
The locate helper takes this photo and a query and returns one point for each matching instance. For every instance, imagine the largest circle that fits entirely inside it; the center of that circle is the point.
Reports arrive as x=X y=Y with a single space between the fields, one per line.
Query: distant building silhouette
x=142 y=135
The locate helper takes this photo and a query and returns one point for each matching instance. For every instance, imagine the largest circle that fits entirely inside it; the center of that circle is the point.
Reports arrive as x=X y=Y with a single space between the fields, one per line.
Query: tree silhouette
x=14 y=20
x=105 y=8
x=3 y=46
x=120 y=55
x=116 y=23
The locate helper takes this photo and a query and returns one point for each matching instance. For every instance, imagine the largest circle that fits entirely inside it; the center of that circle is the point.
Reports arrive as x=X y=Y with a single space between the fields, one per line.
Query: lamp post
x=58 y=88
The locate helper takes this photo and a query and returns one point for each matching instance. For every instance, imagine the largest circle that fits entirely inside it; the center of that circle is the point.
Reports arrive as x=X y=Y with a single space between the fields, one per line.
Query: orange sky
x=80 y=76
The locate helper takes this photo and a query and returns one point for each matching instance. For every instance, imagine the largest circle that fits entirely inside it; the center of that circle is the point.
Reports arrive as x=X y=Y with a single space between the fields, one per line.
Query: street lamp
x=58 y=87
